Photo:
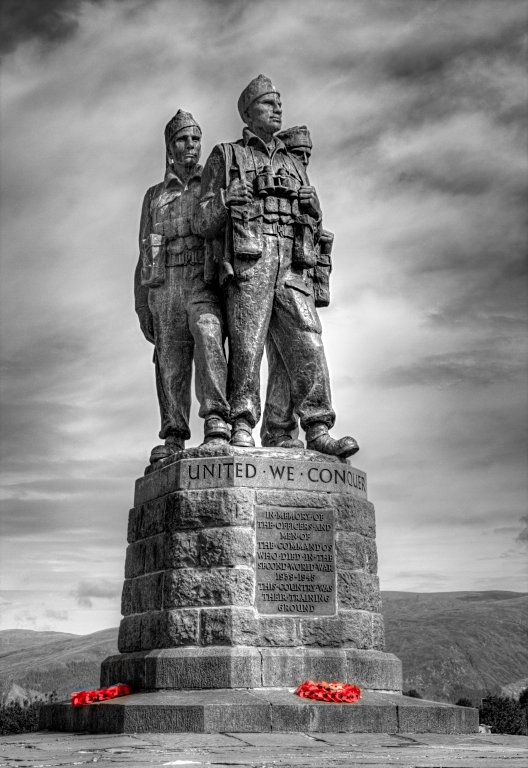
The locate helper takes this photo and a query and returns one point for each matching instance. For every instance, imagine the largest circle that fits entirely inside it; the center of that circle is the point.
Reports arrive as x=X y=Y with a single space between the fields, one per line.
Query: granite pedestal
x=248 y=572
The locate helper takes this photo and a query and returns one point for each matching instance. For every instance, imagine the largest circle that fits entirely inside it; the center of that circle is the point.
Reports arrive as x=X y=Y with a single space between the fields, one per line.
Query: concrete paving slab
x=195 y=740
x=276 y=739
x=315 y=750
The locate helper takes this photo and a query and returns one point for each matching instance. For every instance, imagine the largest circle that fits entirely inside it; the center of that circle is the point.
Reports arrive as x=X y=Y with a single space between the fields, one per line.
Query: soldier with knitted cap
x=178 y=312
x=279 y=421
x=261 y=216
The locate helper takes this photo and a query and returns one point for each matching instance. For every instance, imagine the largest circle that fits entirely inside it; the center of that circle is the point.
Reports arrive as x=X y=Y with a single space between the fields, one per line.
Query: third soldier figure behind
x=178 y=312
x=279 y=422
x=261 y=215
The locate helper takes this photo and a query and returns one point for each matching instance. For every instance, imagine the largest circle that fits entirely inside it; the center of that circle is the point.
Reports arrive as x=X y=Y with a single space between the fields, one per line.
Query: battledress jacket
x=168 y=211
x=213 y=217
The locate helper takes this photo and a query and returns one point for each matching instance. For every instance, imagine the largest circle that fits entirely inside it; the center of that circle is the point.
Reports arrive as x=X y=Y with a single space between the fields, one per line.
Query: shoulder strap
x=234 y=160
x=240 y=158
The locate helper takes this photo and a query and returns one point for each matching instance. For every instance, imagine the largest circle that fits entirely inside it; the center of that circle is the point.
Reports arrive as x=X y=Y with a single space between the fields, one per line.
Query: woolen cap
x=297 y=136
x=176 y=124
x=259 y=86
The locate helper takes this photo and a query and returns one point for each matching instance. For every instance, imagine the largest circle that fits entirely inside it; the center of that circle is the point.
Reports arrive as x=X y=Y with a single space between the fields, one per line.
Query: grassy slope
x=16 y=639
x=66 y=664
x=458 y=643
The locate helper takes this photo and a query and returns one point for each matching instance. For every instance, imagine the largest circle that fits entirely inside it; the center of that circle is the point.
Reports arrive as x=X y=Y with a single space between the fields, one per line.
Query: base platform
x=258 y=711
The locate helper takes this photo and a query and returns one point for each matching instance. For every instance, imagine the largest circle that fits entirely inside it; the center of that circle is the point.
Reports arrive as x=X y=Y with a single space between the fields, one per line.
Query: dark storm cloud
x=442 y=35
x=49 y=20
x=440 y=153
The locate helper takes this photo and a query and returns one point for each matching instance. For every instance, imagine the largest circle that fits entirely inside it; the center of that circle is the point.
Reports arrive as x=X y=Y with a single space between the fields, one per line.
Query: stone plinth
x=261 y=710
x=251 y=568
x=248 y=572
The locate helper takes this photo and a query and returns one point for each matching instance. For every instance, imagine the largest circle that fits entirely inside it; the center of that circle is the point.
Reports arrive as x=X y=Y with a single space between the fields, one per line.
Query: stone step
x=258 y=711
x=250 y=667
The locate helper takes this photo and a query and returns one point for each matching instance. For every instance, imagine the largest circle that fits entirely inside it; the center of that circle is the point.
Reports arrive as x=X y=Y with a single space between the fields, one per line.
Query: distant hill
x=452 y=644
x=16 y=639
x=64 y=664
x=459 y=644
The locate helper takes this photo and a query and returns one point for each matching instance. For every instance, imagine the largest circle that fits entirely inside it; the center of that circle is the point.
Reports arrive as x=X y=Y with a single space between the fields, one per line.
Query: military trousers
x=269 y=295
x=279 y=417
x=188 y=324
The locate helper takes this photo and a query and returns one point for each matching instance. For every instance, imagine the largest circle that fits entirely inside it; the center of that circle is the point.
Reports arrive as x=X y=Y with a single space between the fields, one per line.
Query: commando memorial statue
x=263 y=219
x=178 y=312
x=250 y=572
x=279 y=422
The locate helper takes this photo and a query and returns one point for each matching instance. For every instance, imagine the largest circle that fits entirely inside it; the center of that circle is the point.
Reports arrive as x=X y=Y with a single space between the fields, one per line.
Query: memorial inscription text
x=262 y=473
x=295 y=562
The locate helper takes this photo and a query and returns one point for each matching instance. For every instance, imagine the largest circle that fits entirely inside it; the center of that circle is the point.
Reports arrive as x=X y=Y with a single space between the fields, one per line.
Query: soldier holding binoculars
x=261 y=218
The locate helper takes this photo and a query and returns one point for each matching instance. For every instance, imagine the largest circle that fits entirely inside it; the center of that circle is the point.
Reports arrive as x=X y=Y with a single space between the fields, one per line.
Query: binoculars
x=280 y=185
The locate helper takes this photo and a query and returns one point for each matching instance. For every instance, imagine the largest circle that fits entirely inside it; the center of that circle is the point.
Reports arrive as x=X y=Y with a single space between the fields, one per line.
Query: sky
x=418 y=117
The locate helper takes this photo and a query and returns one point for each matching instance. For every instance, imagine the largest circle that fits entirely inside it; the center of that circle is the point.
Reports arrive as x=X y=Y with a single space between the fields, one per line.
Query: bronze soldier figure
x=259 y=210
x=279 y=422
x=178 y=312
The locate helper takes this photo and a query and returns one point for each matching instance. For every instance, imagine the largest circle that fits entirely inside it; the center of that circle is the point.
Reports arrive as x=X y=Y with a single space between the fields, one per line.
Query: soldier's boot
x=241 y=434
x=319 y=439
x=216 y=430
x=173 y=444
x=281 y=440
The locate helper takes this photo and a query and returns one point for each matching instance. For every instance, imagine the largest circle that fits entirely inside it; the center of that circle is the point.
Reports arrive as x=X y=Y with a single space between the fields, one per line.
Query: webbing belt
x=187 y=257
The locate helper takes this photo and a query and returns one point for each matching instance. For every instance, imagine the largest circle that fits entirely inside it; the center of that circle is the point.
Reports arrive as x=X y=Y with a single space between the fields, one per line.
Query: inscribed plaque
x=295 y=562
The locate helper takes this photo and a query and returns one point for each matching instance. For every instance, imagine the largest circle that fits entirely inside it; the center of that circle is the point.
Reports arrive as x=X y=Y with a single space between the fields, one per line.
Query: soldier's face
x=186 y=146
x=303 y=153
x=265 y=114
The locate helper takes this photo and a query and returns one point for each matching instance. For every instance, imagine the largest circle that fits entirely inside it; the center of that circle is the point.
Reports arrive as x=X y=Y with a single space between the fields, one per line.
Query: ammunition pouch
x=322 y=270
x=246 y=226
x=183 y=243
x=304 y=255
x=153 y=261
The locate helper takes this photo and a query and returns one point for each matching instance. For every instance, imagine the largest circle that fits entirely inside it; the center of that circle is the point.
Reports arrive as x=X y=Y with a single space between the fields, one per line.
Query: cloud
x=417 y=113
x=50 y=613
x=25 y=618
x=95 y=588
x=49 y=20
x=523 y=535
x=477 y=368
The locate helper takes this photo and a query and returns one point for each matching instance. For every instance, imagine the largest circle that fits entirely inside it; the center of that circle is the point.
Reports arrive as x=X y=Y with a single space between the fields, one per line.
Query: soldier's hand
x=309 y=201
x=146 y=324
x=239 y=192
